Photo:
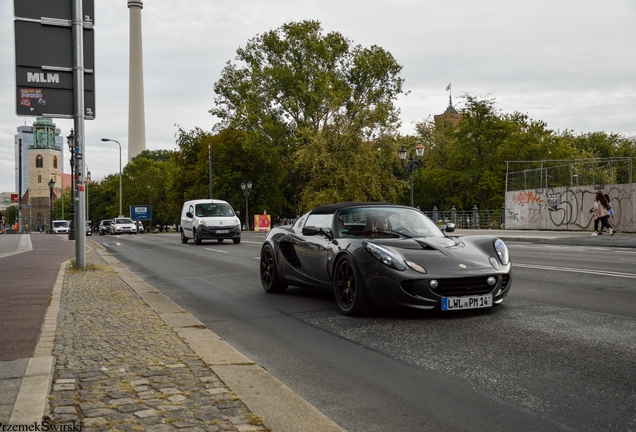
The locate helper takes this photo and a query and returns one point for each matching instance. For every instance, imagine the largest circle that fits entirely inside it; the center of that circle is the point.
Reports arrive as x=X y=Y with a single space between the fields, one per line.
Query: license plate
x=470 y=302
x=222 y=231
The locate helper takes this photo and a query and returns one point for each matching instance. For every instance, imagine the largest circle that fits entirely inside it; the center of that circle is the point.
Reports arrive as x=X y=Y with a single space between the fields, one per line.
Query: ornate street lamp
x=120 y=195
x=71 y=146
x=412 y=165
x=246 y=188
x=51 y=186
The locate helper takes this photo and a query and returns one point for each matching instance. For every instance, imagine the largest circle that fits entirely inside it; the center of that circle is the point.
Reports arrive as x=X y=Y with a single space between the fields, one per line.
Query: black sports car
x=383 y=253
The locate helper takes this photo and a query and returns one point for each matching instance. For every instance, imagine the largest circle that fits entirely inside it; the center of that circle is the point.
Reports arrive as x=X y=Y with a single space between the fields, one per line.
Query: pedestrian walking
x=3 y=230
x=601 y=214
x=610 y=213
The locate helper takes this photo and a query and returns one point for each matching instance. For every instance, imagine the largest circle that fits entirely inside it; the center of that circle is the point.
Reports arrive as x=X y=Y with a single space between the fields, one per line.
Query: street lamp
x=71 y=146
x=210 y=159
x=51 y=186
x=412 y=165
x=108 y=139
x=246 y=188
x=87 y=180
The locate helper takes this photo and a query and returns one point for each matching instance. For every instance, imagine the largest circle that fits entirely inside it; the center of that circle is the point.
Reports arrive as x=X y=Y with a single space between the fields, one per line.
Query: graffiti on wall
x=527 y=197
x=567 y=208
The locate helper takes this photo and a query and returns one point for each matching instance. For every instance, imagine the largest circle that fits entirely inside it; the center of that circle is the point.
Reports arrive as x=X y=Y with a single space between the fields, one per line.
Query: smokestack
x=136 y=110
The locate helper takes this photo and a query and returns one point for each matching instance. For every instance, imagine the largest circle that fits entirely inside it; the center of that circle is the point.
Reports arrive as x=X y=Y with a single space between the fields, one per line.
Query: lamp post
x=246 y=188
x=51 y=186
x=108 y=139
x=87 y=180
x=412 y=165
x=210 y=159
x=71 y=146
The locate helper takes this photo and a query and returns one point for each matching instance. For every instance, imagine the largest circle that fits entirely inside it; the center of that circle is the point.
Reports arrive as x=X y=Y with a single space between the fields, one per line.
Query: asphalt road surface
x=559 y=354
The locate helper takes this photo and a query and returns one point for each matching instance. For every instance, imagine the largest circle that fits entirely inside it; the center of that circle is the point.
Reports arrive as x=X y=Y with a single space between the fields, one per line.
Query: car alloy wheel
x=195 y=236
x=348 y=289
x=269 y=273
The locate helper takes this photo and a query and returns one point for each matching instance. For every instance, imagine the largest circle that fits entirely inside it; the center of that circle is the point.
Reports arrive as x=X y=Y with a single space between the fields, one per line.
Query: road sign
x=58 y=9
x=38 y=44
x=141 y=212
x=44 y=58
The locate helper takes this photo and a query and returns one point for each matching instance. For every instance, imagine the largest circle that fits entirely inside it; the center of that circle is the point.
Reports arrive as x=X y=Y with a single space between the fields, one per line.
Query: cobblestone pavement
x=120 y=367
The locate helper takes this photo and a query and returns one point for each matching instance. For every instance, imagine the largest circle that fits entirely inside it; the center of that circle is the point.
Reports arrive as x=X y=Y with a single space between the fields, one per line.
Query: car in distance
x=61 y=226
x=89 y=231
x=385 y=254
x=140 y=227
x=209 y=219
x=105 y=226
x=122 y=225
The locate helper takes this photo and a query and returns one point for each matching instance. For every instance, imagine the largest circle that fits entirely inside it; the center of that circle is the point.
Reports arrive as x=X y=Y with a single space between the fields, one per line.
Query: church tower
x=45 y=164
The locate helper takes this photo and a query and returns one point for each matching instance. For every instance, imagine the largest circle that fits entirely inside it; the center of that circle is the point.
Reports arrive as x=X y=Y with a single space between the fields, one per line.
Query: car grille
x=463 y=286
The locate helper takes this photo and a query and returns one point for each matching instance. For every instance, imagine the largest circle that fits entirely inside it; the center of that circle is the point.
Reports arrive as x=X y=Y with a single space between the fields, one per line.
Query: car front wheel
x=269 y=273
x=348 y=289
x=184 y=239
x=195 y=236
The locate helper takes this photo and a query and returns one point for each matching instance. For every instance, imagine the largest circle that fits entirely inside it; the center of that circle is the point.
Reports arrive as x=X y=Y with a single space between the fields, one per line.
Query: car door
x=313 y=251
x=186 y=221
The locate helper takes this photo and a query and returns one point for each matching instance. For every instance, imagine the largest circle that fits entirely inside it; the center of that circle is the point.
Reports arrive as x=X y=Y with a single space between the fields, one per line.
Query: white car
x=123 y=226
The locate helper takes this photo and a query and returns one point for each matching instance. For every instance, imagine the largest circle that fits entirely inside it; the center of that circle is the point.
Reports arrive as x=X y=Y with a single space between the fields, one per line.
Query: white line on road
x=575 y=270
x=216 y=250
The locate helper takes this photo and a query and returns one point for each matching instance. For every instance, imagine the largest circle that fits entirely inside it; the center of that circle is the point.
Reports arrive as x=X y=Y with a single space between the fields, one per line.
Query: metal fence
x=544 y=174
x=469 y=219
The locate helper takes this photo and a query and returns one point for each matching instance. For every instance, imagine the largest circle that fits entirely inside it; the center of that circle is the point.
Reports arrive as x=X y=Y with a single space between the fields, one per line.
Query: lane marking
x=216 y=250
x=575 y=270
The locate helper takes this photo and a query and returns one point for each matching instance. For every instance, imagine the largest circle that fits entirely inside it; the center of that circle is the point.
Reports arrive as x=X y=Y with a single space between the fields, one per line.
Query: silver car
x=123 y=226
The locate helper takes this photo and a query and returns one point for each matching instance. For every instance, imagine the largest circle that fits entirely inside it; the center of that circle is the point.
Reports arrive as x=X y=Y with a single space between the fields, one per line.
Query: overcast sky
x=570 y=63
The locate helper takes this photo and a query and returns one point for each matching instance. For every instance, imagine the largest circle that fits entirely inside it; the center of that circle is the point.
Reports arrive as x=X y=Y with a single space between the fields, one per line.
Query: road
x=559 y=354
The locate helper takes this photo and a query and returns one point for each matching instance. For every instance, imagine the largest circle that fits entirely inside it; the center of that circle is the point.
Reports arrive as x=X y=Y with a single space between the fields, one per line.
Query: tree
x=297 y=91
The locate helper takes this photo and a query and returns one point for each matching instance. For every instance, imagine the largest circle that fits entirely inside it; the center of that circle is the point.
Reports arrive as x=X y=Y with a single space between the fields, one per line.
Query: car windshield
x=60 y=224
x=385 y=221
x=123 y=221
x=213 y=210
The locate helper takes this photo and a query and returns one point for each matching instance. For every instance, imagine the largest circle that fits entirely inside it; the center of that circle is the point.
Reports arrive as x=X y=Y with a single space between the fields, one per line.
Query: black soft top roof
x=332 y=208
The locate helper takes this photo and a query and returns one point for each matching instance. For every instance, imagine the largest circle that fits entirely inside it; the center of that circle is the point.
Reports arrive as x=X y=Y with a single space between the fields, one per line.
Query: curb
x=280 y=408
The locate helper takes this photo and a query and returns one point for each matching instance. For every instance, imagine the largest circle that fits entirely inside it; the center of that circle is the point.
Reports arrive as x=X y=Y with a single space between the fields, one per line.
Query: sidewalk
x=115 y=354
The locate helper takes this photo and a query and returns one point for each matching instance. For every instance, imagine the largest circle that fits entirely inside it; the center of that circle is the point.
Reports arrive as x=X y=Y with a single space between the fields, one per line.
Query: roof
x=332 y=208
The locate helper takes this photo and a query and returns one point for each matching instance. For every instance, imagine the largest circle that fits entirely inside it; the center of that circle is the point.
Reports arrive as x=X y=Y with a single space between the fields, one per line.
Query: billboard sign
x=140 y=212
x=44 y=58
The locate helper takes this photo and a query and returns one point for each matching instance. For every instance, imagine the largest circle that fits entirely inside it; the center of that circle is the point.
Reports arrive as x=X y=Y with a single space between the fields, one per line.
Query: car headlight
x=502 y=251
x=386 y=256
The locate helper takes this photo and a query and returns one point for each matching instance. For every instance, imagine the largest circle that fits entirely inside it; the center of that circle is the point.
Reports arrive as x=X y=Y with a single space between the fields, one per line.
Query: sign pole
x=77 y=24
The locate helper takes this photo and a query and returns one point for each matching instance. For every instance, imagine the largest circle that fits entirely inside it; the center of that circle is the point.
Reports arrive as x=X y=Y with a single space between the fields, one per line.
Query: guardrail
x=469 y=219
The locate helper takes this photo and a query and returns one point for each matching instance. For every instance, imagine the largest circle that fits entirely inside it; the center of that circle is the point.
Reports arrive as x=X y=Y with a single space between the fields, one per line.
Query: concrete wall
x=568 y=208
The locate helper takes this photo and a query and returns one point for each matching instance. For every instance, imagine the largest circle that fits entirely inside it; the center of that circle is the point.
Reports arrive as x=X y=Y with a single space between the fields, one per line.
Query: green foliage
x=465 y=160
x=297 y=91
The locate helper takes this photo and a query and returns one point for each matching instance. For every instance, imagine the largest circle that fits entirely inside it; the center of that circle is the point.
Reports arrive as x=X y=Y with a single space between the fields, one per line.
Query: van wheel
x=219 y=240
x=184 y=239
x=195 y=237
x=236 y=240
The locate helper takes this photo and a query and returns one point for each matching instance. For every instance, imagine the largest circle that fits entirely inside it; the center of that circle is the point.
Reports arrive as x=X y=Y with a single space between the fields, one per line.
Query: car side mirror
x=449 y=227
x=312 y=231
x=189 y=214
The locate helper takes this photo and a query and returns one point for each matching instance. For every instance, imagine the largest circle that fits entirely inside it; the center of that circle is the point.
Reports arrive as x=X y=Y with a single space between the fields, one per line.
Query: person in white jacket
x=601 y=214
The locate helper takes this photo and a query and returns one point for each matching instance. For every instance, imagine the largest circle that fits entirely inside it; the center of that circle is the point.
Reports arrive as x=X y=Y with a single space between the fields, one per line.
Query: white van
x=61 y=226
x=209 y=219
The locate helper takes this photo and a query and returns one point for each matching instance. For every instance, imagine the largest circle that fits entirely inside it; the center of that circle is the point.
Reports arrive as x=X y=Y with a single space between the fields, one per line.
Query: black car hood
x=473 y=254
